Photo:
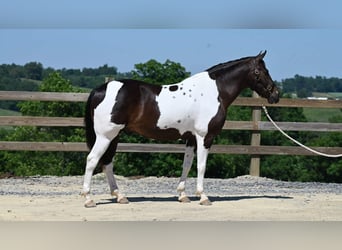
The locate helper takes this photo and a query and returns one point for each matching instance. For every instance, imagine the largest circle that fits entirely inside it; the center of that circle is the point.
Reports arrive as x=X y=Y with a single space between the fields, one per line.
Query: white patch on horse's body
x=102 y=113
x=186 y=108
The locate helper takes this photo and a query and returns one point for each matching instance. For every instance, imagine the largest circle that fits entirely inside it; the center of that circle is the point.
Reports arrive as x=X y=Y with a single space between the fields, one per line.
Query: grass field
x=320 y=114
x=336 y=94
x=6 y=112
x=333 y=95
x=323 y=115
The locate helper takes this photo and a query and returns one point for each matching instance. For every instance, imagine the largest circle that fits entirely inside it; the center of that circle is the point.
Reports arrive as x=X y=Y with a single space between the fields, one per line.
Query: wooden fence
x=255 y=126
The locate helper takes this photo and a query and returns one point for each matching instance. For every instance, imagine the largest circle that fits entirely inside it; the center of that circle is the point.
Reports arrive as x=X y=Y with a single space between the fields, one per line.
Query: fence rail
x=255 y=125
x=229 y=125
x=240 y=101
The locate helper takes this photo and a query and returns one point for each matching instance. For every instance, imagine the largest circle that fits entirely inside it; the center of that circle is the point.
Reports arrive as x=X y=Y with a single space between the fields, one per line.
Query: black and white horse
x=193 y=110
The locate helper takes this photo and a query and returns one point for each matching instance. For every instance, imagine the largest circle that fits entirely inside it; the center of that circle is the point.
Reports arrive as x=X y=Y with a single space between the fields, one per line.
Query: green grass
x=336 y=94
x=332 y=95
x=6 y=112
x=320 y=114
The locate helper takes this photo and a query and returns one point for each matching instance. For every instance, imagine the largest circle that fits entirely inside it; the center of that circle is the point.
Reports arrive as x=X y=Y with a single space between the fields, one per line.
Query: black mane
x=217 y=70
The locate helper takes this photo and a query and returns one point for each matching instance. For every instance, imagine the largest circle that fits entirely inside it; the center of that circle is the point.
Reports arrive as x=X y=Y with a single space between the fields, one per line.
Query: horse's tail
x=96 y=96
x=89 y=122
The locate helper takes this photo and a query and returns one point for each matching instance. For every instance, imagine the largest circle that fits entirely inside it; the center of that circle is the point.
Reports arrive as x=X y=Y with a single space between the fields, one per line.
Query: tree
x=34 y=70
x=107 y=71
x=304 y=86
x=47 y=163
x=160 y=73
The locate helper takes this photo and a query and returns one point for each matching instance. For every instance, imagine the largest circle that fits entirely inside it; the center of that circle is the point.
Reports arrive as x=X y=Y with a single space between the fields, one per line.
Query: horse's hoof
x=89 y=204
x=123 y=200
x=205 y=202
x=184 y=199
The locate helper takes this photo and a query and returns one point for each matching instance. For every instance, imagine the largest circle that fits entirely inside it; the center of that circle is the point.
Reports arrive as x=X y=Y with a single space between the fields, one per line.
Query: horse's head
x=261 y=81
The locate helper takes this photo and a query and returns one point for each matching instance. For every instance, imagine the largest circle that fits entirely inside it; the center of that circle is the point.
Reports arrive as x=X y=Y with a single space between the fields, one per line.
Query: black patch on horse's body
x=173 y=88
x=134 y=101
x=215 y=126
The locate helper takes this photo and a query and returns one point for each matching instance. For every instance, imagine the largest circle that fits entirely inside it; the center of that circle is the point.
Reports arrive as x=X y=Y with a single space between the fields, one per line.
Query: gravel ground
x=71 y=185
x=245 y=198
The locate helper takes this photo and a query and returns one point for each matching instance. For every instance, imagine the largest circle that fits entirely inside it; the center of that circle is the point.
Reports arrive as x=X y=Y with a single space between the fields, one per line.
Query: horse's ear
x=261 y=54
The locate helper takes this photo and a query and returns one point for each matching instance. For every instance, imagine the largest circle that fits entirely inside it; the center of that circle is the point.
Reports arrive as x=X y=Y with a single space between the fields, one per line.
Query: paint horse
x=193 y=110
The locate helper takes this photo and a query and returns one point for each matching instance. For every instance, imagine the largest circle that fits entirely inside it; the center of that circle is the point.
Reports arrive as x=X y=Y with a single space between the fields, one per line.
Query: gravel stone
x=242 y=185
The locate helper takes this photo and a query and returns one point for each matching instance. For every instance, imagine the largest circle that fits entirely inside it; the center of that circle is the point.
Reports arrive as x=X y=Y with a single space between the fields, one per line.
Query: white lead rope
x=295 y=141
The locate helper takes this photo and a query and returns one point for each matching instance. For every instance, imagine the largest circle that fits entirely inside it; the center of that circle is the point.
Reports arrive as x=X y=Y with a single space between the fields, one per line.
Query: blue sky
x=301 y=37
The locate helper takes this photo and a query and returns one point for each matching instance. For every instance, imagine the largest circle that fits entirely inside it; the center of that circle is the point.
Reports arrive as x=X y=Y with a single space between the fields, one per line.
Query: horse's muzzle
x=274 y=97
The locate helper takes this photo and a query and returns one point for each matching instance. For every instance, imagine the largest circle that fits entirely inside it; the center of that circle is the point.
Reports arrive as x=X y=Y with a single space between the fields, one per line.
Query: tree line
x=25 y=77
x=305 y=86
x=38 y=78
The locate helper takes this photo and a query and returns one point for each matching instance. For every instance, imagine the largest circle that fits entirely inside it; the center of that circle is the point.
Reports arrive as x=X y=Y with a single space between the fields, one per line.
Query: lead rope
x=295 y=141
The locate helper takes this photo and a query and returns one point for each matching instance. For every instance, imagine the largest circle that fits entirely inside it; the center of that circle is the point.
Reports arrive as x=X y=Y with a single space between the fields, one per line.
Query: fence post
x=254 y=168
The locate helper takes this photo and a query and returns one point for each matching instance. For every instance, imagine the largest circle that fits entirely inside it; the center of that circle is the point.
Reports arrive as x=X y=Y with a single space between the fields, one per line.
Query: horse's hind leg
x=102 y=143
x=114 y=189
x=99 y=148
x=187 y=162
x=107 y=161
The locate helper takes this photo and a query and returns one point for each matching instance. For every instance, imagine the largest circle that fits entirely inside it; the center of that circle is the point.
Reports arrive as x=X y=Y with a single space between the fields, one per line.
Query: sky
x=301 y=37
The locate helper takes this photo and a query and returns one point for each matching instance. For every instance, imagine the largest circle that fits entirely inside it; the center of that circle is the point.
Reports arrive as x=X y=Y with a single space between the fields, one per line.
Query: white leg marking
x=202 y=155
x=120 y=198
x=100 y=146
x=187 y=162
x=93 y=158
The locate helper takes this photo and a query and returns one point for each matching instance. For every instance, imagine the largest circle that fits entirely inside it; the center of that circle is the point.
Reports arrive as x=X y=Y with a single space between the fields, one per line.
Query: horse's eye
x=257 y=74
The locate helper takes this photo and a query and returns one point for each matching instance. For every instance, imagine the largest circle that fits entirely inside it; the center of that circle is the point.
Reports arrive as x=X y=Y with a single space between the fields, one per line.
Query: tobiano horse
x=193 y=110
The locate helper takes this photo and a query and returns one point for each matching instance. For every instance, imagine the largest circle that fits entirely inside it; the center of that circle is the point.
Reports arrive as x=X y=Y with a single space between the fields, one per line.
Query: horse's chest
x=189 y=108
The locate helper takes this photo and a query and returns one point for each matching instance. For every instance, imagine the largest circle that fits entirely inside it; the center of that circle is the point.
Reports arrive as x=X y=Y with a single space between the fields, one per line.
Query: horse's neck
x=229 y=89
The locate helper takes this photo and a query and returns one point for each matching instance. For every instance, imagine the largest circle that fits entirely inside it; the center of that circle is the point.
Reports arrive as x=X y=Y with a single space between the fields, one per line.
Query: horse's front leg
x=114 y=190
x=187 y=162
x=202 y=155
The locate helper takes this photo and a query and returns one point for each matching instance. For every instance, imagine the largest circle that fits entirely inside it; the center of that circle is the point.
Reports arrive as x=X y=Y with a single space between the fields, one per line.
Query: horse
x=193 y=110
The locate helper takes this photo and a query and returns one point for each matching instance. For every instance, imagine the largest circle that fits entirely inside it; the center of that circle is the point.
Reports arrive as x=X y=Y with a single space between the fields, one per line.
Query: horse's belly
x=177 y=119
x=187 y=117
